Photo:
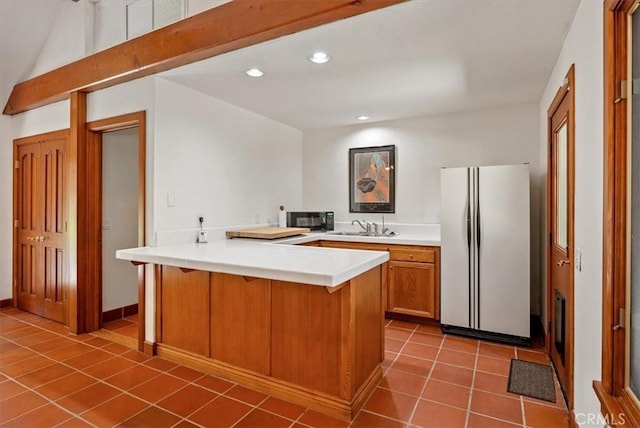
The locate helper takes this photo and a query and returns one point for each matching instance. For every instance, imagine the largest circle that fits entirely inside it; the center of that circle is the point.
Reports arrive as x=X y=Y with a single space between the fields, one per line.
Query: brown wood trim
x=111 y=315
x=158 y=302
x=77 y=137
x=615 y=400
x=6 y=303
x=212 y=32
x=95 y=129
x=149 y=348
x=630 y=408
x=319 y=401
x=120 y=339
x=129 y=310
x=332 y=290
x=118 y=313
x=608 y=238
x=611 y=407
x=572 y=419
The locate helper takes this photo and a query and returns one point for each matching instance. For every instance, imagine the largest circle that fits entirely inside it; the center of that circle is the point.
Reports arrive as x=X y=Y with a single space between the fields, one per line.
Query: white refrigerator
x=485 y=252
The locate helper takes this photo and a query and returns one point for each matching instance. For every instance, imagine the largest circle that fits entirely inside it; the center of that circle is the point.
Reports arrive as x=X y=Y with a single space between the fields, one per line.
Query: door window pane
x=634 y=304
x=561 y=186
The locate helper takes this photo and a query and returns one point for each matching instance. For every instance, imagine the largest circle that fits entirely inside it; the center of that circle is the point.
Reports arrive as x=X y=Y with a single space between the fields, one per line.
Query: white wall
x=219 y=161
x=70 y=39
x=490 y=136
x=6 y=202
x=119 y=217
x=583 y=47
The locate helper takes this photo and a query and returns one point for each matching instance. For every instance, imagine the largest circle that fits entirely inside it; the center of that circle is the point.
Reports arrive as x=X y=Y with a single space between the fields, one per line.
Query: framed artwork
x=372 y=179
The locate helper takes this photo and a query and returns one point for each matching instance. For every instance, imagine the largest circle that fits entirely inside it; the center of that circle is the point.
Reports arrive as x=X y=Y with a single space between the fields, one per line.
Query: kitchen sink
x=376 y=235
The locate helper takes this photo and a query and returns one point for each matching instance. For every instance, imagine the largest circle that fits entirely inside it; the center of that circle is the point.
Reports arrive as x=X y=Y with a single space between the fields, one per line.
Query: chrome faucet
x=366 y=228
x=375 y=228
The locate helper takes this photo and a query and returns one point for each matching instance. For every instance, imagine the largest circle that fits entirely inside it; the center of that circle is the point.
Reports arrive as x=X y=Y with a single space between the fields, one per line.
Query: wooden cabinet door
x=41 y=233
x=183 y=305
x=412 y=289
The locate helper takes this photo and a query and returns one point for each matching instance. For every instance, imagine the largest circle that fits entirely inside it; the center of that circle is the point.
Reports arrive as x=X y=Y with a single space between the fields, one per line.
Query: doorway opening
x=116 y=148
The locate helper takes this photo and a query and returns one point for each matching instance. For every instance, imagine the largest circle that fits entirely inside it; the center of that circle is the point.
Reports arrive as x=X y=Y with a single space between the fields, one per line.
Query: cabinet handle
x=30 y=238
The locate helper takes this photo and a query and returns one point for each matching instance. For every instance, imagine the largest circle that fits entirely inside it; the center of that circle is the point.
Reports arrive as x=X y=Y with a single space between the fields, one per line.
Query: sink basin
x=378 y=235
x=349 y=233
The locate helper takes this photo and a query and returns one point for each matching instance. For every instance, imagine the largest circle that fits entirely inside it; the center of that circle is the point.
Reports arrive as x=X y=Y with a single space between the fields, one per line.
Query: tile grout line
x=424 y=387
x=135 y=363
x=473 y=380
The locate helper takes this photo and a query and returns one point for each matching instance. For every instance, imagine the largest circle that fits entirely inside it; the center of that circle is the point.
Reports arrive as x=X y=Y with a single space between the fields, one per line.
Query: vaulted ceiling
x=417 y=58
x=24 y=28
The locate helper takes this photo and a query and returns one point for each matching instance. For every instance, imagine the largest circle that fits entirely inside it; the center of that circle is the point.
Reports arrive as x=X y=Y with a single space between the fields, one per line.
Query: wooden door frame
x=566 y=90
x=94 y=132
x=616 y=404
x=61 y=133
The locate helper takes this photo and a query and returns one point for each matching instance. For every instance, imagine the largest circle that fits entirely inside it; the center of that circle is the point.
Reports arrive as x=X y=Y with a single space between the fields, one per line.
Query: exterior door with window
x=560 y=251
x=40 y=234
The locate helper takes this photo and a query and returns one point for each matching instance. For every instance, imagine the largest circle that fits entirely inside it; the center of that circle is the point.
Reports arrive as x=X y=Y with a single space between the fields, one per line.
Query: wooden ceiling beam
x=231 y=26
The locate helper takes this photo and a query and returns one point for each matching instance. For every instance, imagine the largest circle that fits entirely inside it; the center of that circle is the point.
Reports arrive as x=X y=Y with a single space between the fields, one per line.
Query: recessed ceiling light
x=363 y=117
x=319 y=58
x=254 y=72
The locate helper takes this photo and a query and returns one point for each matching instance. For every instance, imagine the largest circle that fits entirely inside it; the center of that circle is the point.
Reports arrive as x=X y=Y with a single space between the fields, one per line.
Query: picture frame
x=372 y=179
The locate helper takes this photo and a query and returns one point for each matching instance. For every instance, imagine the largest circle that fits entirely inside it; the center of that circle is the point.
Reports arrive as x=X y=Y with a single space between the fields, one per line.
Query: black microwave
x=315 y=220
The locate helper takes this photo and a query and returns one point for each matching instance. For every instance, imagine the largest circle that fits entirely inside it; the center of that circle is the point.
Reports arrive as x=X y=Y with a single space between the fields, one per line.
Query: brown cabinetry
x=413 y=277
x=320 y=347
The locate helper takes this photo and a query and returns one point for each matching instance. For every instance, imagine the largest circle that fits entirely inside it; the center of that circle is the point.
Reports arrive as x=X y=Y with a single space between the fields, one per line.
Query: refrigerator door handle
x=478 y=245
x=469 y=252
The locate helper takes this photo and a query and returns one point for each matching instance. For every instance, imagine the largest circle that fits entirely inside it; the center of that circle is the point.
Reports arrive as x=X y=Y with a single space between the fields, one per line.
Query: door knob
x=563 y=262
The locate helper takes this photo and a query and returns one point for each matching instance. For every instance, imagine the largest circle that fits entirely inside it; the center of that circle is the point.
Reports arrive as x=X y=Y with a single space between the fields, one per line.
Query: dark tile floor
x=51 y=378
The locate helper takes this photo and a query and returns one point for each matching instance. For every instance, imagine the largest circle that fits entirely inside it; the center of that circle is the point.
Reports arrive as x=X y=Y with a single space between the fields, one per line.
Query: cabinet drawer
x=412 y=255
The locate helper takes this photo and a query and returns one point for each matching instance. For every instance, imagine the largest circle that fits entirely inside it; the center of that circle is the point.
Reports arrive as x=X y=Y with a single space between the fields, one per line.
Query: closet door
x=29 y=272
x=41 y=227
x=53 y=236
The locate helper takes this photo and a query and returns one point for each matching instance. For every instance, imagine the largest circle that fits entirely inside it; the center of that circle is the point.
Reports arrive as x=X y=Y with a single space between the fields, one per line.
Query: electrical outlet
x=171 y=199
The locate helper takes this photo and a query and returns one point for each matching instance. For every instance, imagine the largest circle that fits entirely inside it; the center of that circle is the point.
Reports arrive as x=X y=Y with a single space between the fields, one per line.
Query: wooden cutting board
x=267 y=232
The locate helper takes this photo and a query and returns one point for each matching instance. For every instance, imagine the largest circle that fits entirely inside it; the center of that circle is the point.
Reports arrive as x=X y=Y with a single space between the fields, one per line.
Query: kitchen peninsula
x=301 y=323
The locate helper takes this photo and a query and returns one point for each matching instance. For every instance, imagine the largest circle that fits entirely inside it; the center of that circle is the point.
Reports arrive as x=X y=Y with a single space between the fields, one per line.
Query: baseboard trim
x=411 y=318
x=117 y=313
x=319 y=401
x=150 y=348
x=129 y=342
x=6 y=303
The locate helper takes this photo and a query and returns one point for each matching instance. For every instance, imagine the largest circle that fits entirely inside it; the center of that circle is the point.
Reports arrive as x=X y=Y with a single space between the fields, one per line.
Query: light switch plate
x=106 y=223
x=171 y=199
x=577 y=257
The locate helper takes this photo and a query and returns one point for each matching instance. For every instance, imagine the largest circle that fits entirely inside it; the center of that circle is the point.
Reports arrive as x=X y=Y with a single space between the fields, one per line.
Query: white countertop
x=327 y=267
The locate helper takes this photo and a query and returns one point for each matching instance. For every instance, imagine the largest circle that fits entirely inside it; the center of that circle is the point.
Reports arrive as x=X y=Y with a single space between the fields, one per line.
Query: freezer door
x=503 y=249
x=455 y=247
